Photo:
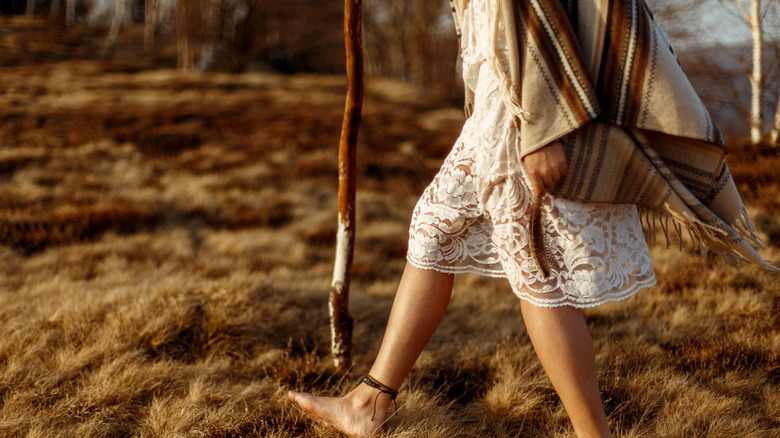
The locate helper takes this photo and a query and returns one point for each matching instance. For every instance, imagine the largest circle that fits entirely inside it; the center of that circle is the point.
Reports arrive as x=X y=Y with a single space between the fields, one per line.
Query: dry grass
x=165 y=257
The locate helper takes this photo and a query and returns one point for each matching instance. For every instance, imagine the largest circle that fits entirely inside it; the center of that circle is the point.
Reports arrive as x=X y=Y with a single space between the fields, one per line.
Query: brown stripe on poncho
x=601 y=76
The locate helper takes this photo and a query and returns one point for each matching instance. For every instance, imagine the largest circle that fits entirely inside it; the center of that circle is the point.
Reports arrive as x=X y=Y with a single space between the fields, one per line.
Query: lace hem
x=533 y=299
x=469 y=269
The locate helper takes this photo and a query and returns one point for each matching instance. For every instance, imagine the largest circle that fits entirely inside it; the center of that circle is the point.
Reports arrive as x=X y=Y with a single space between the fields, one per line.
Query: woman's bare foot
x=350 y=414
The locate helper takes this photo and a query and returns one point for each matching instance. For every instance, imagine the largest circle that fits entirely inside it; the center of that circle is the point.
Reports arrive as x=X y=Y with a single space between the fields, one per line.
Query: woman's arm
x=546 y=166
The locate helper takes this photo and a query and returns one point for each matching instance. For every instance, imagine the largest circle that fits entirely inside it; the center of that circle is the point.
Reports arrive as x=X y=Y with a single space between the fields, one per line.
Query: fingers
x=538 y=185
x=546 y=167
x=551 y=177
x=544 y=181
x=557 y=161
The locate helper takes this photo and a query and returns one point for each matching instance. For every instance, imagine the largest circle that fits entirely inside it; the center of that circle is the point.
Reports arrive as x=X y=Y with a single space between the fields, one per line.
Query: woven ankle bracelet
x=374 y=383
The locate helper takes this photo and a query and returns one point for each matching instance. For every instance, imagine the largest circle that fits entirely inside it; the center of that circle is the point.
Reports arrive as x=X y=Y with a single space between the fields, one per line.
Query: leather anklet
x=374 y=383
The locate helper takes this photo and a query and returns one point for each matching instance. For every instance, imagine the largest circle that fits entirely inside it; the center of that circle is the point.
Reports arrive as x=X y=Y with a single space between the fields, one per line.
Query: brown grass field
x=166 y=245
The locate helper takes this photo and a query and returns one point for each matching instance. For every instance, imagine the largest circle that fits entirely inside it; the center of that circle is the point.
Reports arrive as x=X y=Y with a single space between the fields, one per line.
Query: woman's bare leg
x=418 y=307
x=562 y=342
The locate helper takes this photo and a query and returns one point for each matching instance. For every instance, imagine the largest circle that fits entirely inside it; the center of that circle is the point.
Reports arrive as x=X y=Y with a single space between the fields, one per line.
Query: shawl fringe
x=702 y=237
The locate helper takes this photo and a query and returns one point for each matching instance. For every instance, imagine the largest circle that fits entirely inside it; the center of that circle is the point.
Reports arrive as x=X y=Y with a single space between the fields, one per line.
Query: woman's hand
x=546 y=166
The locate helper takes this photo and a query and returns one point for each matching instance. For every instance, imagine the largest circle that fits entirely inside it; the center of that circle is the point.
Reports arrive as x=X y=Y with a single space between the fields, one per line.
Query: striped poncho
x=601 y=76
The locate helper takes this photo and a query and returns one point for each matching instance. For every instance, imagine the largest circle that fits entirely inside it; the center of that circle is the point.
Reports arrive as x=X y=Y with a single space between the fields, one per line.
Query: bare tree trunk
x=116 y=24
x=421 y=44
x=55 y=8
x=775 y=133
x=416 y=50
x=150 y=24
x=338 y=306
x=30 y=10
x=757 y=80
x=397 y=33
x=185 y=58
x=70 y=12
x=212 y=34
x=753 y=18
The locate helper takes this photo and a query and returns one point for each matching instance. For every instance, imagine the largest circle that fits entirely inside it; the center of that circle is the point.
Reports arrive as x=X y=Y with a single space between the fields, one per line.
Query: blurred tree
x=150 y=24
x=724 y=74
x=679 y=20
x=774 y=134
x=753 y=15
x=184 y=30
x=413 y=40
x=120 y=8
x=70 y=12
x=291 y=36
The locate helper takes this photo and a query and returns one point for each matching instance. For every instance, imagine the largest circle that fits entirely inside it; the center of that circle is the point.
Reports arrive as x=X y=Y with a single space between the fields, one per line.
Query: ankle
x=362 y=396
x=371 y=400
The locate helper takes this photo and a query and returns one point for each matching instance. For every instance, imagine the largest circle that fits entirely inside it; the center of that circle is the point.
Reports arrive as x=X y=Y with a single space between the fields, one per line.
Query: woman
x=579 y=114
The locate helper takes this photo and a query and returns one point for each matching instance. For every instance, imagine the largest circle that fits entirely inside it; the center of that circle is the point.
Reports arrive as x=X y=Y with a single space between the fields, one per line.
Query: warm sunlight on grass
x=166 y=248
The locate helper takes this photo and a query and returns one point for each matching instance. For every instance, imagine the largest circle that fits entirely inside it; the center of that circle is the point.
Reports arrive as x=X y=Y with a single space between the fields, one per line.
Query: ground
x=166 y=247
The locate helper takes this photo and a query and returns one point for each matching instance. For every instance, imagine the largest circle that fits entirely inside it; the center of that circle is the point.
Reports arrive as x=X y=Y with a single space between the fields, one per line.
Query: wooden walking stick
x=338 y=306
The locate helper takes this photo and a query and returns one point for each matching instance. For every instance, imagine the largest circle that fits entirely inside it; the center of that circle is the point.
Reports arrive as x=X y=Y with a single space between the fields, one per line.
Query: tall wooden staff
x=340 y=320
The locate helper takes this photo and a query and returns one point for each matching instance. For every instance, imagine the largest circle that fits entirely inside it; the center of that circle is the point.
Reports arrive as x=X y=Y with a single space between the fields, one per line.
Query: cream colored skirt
x=474 y=217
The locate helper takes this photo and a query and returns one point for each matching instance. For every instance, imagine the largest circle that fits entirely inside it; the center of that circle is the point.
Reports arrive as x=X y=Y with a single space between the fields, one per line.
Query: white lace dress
x=474 y=216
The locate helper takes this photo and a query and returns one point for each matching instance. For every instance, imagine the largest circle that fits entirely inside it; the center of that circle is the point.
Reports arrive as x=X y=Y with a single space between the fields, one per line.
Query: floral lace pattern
x=474 y=216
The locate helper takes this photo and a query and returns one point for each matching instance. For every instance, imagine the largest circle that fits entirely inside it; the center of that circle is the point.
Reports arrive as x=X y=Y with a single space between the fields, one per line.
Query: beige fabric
x=601 y=76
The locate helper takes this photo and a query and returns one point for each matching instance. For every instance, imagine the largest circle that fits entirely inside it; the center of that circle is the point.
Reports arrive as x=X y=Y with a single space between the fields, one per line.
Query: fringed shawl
x=601 y=76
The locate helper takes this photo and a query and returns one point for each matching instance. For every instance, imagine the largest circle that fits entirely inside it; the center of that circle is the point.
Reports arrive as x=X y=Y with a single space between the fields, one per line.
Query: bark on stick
x=340 y=320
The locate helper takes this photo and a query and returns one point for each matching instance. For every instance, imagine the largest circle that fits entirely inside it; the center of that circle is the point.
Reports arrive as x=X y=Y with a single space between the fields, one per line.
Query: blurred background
x=409 y=40
x=168 y=193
